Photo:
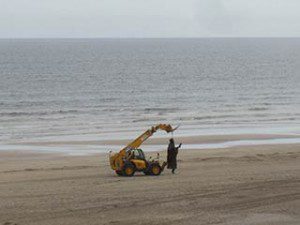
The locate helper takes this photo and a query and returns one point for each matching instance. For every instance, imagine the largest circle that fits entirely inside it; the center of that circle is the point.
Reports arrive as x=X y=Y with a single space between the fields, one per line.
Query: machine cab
x=135 y=154
x=137 y=157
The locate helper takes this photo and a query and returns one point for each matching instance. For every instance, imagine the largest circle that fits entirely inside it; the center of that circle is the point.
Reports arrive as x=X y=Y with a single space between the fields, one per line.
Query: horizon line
x=213 y=37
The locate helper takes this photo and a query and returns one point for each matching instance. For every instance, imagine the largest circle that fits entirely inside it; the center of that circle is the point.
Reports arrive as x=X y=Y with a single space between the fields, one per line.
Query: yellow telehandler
x=131 y=159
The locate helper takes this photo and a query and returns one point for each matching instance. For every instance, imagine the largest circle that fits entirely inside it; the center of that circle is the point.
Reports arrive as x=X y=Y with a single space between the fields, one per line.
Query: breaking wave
x=44 y=113
x=258 y=109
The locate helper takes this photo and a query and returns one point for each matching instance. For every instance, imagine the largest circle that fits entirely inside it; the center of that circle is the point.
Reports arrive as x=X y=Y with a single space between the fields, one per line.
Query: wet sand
x=200 y=139
x=241 y=185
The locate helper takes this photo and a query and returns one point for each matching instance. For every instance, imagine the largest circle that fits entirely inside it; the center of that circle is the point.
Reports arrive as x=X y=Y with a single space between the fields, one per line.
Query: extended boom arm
x=139 y=140
x=143 y=137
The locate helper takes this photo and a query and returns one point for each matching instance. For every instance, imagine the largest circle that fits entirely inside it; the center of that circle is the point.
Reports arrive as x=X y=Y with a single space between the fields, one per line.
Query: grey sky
x=149 y=18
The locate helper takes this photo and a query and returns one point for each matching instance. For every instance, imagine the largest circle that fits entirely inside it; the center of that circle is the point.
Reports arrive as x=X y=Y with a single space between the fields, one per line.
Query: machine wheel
x=128 y=170
x=155 y=169
x=119 y=172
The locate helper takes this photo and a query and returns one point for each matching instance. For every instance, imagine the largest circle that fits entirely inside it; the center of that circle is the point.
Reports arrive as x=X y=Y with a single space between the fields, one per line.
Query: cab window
x=138 y=154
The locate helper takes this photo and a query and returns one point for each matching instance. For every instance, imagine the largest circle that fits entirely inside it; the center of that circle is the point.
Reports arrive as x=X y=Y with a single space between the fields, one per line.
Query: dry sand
x=241 y=185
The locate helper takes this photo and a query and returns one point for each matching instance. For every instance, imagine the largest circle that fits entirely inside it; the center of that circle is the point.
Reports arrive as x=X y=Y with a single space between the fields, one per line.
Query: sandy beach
x=241 y=185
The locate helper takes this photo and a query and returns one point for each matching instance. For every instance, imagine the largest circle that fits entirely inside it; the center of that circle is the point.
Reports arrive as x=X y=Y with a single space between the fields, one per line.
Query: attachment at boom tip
x=175 y=128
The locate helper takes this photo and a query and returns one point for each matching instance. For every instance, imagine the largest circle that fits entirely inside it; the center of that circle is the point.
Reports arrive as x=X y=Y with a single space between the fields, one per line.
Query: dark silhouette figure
x=172 y=155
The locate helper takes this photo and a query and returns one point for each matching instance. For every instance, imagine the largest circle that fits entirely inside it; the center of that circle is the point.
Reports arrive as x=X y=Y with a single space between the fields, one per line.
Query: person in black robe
x=172 y=155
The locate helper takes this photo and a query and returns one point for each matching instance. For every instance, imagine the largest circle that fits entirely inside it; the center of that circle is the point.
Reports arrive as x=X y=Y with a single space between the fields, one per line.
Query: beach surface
x=239 y=185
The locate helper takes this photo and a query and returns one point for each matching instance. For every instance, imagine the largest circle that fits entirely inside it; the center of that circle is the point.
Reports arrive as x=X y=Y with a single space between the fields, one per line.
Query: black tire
x=155 y=169
x=119 y=172
x=128 y=170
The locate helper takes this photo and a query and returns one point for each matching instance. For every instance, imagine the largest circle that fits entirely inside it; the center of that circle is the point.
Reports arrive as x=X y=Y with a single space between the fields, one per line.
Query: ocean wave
x=45 y=113
x=207 y=117
x=141 y=120
x=266 y=103
x=161 y=109
x=258 y=109
x=147 y=119
x=114 y=109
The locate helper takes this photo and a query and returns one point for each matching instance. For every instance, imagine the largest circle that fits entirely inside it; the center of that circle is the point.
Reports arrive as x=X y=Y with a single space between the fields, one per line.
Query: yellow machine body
x=140 y=164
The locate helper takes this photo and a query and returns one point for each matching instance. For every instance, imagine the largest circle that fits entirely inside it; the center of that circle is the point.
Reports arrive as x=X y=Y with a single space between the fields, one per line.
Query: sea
x=103 y=89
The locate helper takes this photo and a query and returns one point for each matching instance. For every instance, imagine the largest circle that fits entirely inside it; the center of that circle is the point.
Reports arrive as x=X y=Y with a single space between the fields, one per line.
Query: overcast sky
x=149 y=18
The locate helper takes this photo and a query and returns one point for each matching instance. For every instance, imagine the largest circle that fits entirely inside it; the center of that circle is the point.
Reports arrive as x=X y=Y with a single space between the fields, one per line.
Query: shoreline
x=201 y=142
